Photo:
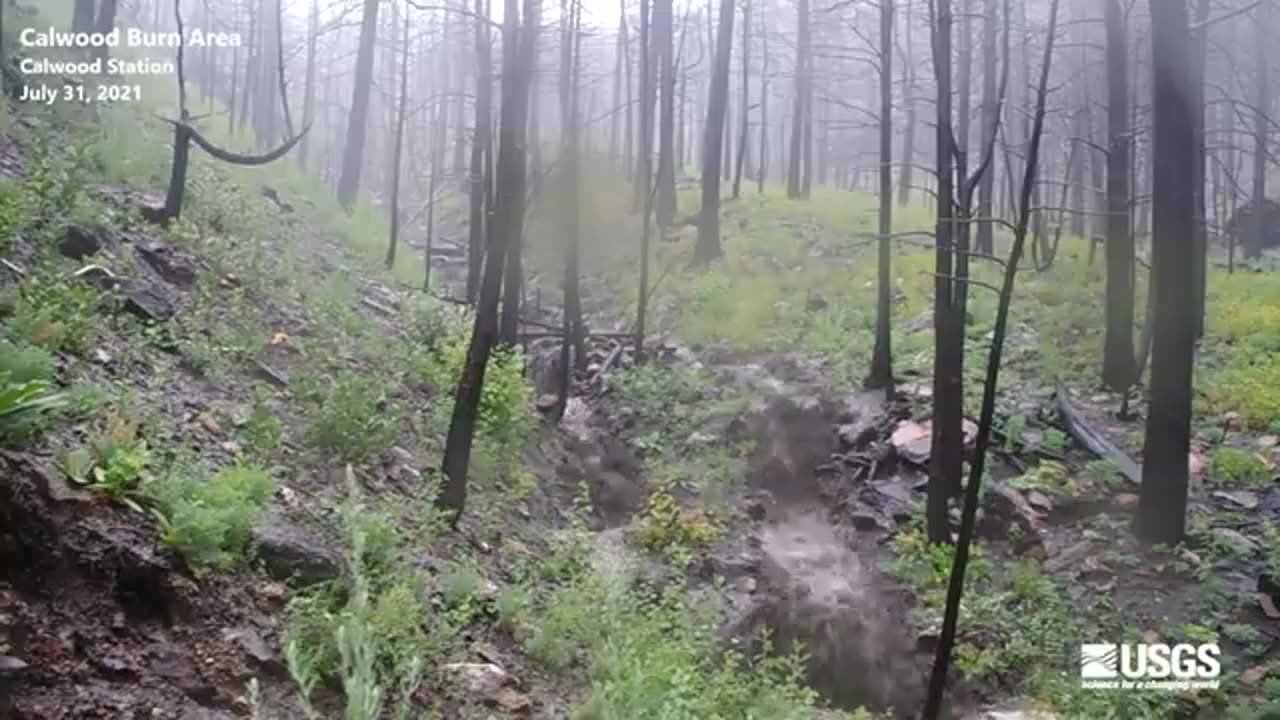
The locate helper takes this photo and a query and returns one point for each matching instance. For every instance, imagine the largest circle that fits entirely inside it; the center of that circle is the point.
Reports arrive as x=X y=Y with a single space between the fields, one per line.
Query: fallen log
x=1095 y=441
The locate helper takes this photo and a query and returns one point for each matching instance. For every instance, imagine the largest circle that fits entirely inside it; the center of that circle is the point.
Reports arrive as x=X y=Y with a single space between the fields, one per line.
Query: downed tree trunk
x=1096 y=442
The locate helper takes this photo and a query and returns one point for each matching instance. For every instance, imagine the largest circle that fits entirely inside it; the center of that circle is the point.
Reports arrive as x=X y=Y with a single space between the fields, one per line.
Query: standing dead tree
x=955 y=586
x=184 y=133
x=708 y=243
x=504 y=232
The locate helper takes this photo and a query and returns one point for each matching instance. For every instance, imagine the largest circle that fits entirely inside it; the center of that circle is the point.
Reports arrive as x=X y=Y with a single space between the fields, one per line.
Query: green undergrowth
x=646 y=652
x=373 y=629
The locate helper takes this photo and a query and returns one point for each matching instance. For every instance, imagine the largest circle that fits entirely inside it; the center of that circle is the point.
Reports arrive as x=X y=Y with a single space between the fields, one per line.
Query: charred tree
x=481 y=153
x=881 y=375
x=1261 y=122
x=513 y=281
x=708 y=244
x=990 y=121
x=357 y=121
x=799 y=108
x=184 y=134
x=1162 y=507
x=508 y=223
x=398 y=146
x=1119 y=371
x=744 y=105
x=947 y=434
x=968 y=517
x=665 y=200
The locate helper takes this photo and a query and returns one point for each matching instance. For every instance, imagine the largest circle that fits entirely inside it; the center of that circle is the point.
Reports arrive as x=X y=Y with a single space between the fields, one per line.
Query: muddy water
x=821 y=589
x=824 y=597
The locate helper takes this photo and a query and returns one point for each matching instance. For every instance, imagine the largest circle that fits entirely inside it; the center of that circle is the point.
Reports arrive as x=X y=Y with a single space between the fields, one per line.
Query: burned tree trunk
x=665 y=200
x=947 y=438
x=708 y=244
x=744 y=121
x=184 y=134
x=481 y=154
x=508 y=222
x=353 y=152
x=1118 y=369
x=1162 y=508
x=881 y=375
x=398 y=146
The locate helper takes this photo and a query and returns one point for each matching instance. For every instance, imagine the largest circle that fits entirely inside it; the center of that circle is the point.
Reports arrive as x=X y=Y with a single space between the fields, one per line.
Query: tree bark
x=398 y=145
x=945 y=460
x=744 y=119
x=353 y=154
x=708 y=244
x=481 y=154
x=665 y=199
x=1162 y=507
x=1261 y=106
x=796 y=156
x=513 y=282
x=986 y=187
x=508 y=223
x=1118 y=369
x=881 y=375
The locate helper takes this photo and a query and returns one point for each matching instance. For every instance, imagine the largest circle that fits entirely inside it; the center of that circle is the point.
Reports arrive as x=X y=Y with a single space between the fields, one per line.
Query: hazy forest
x=639 y=360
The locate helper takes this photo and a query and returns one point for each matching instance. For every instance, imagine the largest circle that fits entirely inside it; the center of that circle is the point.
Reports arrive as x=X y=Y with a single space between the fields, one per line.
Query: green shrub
x=262 y=431
x=23 y=408
x=355 y=420
x=54 y=312
x=208 y=520
x=1235 y=466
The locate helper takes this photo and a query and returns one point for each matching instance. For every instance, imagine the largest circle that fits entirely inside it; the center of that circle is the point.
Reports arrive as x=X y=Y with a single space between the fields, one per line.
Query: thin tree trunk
x=763 y=173
x=666 y=191
x=481 y=155
x=398 y=145
x=744 y=120
x=881 y=375
x=1261 y=106
x=708 y=244
x=353 y=155
x=513 y=282
x=507 y=227
x=795 y=157
x=1118 y=370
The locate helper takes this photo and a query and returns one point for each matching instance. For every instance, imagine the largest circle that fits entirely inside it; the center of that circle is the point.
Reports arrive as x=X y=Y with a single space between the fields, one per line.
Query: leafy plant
x=208 y=520
x=675 y=531
x=114 y=462
x=1239 y=467
x=355 y=420
x=262 y=430
x=21 y=404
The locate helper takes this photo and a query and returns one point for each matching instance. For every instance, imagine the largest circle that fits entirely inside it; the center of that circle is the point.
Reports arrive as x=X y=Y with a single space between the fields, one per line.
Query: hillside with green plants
x=224 y=434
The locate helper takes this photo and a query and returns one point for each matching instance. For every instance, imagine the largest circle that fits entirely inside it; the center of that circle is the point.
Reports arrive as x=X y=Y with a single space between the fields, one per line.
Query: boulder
x=147 y=303
x=79 y=242
x=177 y=267
x=289 y=551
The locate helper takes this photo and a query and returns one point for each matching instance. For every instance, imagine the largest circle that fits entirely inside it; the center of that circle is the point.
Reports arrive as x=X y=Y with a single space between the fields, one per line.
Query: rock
x=116 y=667
x=1241 y=498
x=177 y=267
x=512 y=702
x=254 y=647
x=1004 y=509
x=147 y=303
x=208 y=423
x=912 y=441
x=1127 y=502
x=1039 y=501
x=80 y=242
x=483 y=680
x=866 y=520
x=856 y=434
x=100 y=356
x=265 y=372
x=547 y=402
x=11 y=666
x=1236 y=540
x=291 y=551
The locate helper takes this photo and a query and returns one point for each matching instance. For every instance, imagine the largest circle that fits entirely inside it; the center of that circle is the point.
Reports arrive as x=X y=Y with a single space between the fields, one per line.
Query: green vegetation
x=353 y=419
x=208 y=520
x=1235 y=466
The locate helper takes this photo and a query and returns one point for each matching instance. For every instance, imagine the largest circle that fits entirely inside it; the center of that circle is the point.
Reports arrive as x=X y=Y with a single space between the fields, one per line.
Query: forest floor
x=231 y=516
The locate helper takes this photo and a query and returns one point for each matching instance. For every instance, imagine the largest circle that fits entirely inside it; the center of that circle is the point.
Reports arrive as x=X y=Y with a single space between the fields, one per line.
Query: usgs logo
x=1149 y=666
